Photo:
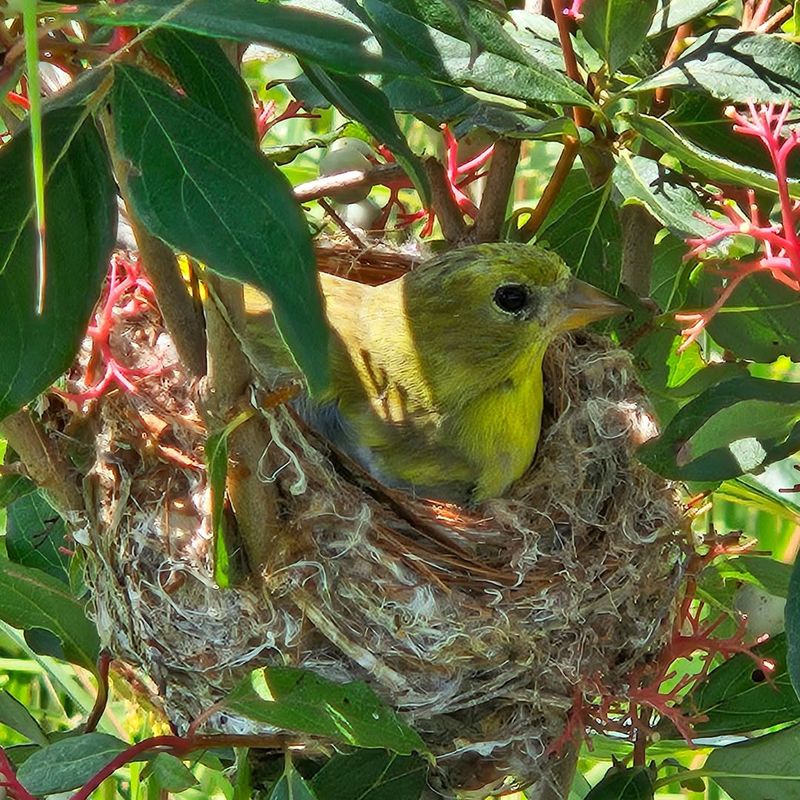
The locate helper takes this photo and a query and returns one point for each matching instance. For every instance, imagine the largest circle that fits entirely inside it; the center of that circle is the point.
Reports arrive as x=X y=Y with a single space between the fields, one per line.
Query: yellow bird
x=437 y=376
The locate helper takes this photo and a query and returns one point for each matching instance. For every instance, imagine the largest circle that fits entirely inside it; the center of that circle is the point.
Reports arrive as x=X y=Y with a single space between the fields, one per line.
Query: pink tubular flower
x=778 y=243
x=575 y=10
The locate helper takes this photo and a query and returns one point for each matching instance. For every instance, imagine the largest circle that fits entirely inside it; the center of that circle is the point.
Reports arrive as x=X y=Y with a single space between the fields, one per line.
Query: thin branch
x=444 y=205
x=46 y=465
x=551 y=191
x=330 y=184
x=492 y=213
x=662 y=94
x=581 y=115
x=343 y=226
x=776 y=20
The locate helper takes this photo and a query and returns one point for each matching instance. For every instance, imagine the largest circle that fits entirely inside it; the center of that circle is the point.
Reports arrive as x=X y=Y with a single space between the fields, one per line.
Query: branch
x=444 y=205
x=324 y=187
x=492 y=213
x=581 y=115
x=45 y=463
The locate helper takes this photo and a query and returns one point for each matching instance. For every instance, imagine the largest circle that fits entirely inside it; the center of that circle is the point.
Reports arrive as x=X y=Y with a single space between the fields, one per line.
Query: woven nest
x=475 y=624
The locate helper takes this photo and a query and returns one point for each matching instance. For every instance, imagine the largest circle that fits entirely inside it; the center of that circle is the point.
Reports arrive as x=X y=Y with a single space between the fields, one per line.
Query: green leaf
x=301 y=701
x=69 y=763
x=738 y=696
x=324 y=34
x=206 y=75
x=371 y=775
x=663 y=192
x=31 y=599
x=766 y=768
x=451 y=60
x=792 y=617
x=210 y=193
x=169 y=773
x=360 y=100
x=703 y=162
x=216 y=450
x=669 y=280
x=752 y=492
x=34 y=535
x=766 y=573
x=617 y=28
x=81 y=227
x=671 y=13
x=12 y=487
x=759 y=322
x=582 y=227
x=634 y=783
x=15 y=716
x=738 y=426
x=734 y=65
x=292 y=786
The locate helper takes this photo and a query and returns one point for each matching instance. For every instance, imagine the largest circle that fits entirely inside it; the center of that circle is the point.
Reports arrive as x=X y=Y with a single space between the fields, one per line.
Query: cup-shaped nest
x=475 y=624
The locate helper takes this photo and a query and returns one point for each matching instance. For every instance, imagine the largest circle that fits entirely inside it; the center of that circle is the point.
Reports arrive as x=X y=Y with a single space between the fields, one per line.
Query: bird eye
x=511 y=298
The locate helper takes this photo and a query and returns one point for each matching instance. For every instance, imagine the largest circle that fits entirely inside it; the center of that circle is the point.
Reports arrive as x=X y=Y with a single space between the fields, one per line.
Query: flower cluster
x=777 y=243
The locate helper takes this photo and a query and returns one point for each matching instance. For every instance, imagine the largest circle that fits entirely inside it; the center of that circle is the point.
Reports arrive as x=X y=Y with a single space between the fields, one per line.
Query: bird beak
x=583 y=303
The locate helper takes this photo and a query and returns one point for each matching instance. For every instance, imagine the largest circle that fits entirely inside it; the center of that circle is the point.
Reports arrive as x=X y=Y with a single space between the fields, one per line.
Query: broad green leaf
x=766 y=768
x=669 y=280
x=738 y=426
x=671 y=13
x=69 y=763
x=633 y=783
x=208 y=192
x=739 y=696
x=759 y=322
x=12 y=487
x=538 y=37
x=617 y=28
x=751 y=492
x=665 y=194
x=792 y=617
x=216 y=450
x=582 y=227
x=15 y=716
x=206 y=75
x=34 y=535
x=169 y=773
x=703 y=162
x=292 y=786
x=448 y=59
x=324 y=34
x=734 y=65
x=766 y=573
x=360 y=100
x=29 y=598
x=35 y=349
x=371 y=775
x=301 y=701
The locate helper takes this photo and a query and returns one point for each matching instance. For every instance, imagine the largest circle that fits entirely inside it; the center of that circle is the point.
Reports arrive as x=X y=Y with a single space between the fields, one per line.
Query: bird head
x=495 y=307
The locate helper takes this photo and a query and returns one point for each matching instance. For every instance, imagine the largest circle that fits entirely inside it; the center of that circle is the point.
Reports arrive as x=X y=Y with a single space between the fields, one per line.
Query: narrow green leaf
x=766 y=768
x=451 y=60
x=301 y=701
x=738 y=426
x=14 y=715
x=325 y=34
x=617 y=28
x=734 y=65
x=664 y=193
x=760 y=321
x=371 y=775
x=210 y=193
x=634 y=783
x=752 y=492
x=738 y=696
x=703 y=162
x=81 y=211
x=216 y=450
x=671 y=13
x=34 y=535
x=69 y=763
x=792 y=617
x=31 y=599
x=360 y=100
x=206 y=75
